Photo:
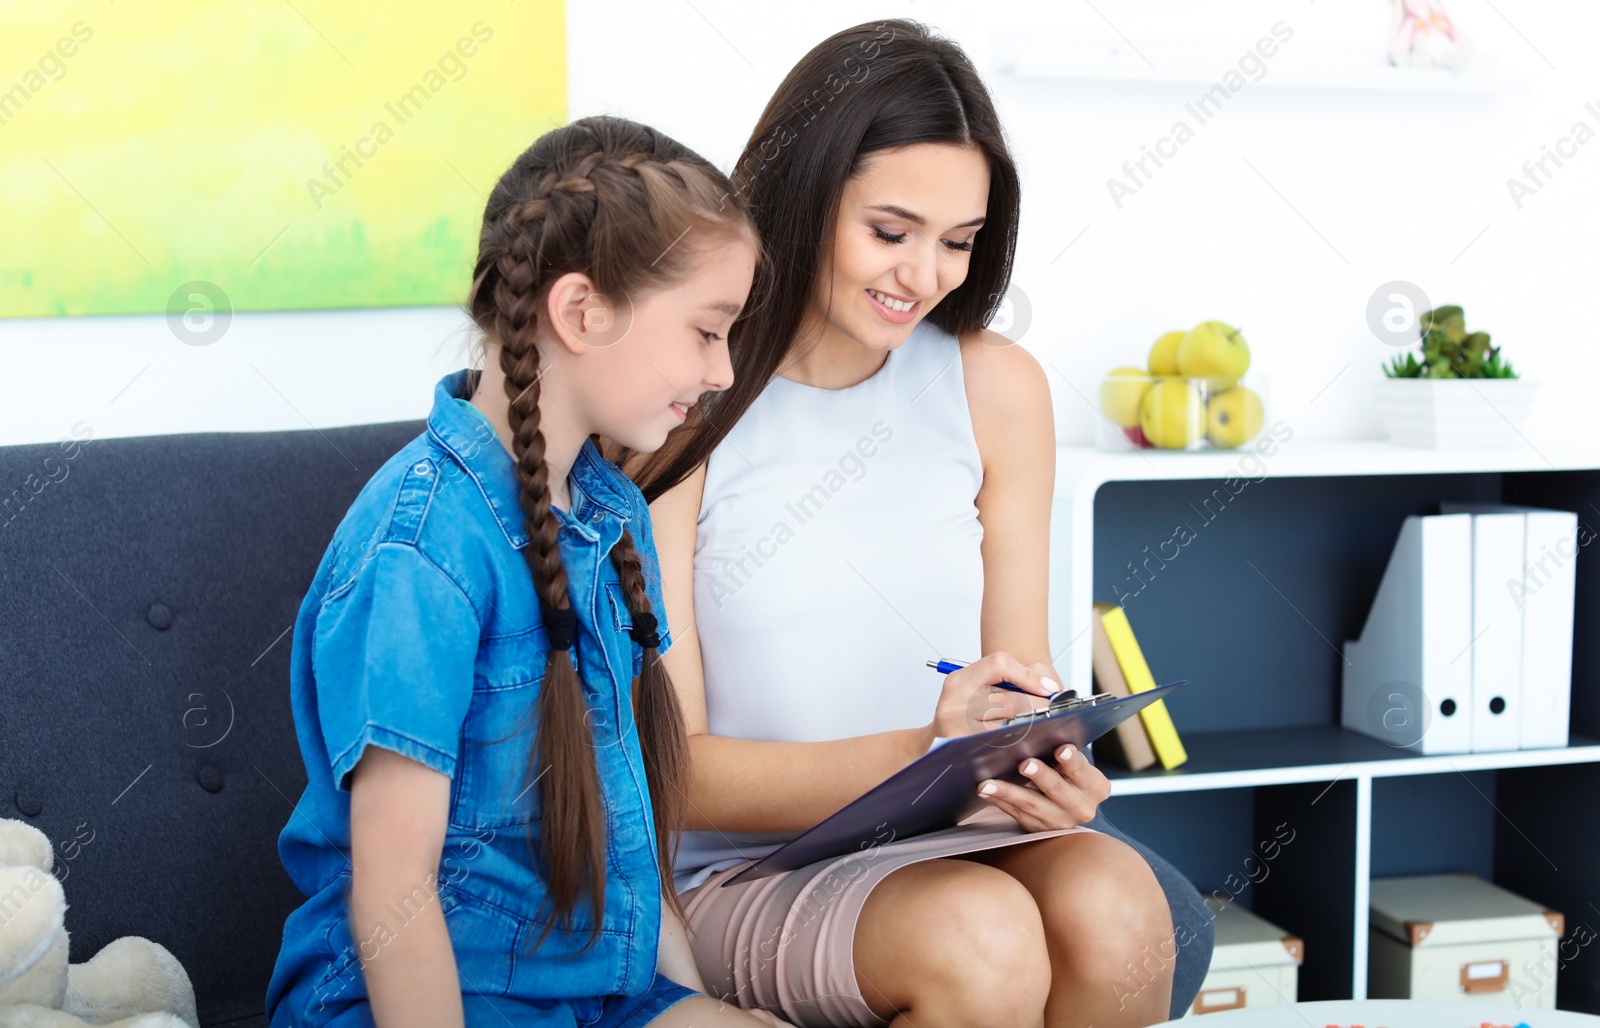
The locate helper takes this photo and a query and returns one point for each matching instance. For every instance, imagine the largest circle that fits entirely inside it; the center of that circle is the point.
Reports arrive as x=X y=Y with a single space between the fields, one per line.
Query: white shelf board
x=1382 y=79
x=1080 y=470
x=1336 y=755
x=1074 y=59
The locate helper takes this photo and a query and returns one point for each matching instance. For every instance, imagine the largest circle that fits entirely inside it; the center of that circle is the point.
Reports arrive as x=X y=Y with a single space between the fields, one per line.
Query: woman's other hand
x=1062 y=796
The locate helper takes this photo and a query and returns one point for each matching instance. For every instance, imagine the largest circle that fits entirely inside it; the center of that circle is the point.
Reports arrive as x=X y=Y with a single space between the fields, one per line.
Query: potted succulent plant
x=1460 y=393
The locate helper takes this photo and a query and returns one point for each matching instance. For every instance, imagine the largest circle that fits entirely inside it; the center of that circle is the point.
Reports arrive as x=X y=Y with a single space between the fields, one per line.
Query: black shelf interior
x=1254 y=607
x=1283 y=851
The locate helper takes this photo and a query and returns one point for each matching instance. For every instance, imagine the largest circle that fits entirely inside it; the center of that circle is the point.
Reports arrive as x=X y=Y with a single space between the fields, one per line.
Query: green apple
x=1216 y=351
x=1164 y=354
x=1120 y=394
x=1233 y=417
x=1172 y=414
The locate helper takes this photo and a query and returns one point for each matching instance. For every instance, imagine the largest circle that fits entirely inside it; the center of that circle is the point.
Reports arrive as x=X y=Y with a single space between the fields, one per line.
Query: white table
x=1386 y=1013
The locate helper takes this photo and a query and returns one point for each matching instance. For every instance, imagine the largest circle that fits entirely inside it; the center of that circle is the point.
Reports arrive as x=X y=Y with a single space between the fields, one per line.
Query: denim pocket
x=619 y=606
x=342 y=982
x=559 y=967
x=492 y=786
x=623 y=618
x=484 y=937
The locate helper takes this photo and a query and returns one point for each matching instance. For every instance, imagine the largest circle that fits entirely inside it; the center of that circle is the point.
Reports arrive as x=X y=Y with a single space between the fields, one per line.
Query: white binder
x=1542 y=591
x=1550 y=582
x=1497 y=542
x=1408 y=680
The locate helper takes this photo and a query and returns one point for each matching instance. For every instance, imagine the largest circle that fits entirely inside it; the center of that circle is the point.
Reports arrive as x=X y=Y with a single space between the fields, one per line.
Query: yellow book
x=1157 y=722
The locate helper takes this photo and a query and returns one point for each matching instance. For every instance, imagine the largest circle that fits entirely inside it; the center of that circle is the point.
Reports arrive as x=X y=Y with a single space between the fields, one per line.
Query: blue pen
x=944 y=667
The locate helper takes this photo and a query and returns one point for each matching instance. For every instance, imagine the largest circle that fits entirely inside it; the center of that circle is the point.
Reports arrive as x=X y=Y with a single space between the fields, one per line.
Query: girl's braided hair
x=608 y=198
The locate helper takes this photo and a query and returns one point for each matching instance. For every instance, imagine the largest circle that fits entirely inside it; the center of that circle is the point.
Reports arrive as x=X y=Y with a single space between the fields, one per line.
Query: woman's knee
x=1107 y=905
x=955 y=932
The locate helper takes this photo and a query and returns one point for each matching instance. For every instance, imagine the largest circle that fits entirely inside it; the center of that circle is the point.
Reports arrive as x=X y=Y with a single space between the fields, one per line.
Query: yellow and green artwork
x=279 y=154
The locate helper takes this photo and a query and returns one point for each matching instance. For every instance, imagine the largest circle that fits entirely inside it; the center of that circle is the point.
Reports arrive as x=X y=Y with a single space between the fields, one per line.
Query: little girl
x=476 y=681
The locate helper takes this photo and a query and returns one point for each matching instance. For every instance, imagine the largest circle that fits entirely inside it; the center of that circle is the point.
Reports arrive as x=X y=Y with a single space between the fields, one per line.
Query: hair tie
x=560 y=625
x=644 y=630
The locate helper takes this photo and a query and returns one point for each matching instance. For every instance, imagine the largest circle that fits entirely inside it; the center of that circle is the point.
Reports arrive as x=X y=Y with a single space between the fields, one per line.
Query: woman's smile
x=894 y=309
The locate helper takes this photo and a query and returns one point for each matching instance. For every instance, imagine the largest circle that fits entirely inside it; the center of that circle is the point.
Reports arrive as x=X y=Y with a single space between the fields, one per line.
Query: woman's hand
x=971 y=701
x=1062 y=796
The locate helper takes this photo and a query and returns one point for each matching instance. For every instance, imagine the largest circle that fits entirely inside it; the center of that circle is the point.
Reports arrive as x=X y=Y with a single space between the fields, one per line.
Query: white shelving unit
x=1291 y=756
x=1297 y=65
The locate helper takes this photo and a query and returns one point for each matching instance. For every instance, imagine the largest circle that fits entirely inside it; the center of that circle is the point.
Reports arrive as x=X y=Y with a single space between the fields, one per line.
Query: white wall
x=1282 y=215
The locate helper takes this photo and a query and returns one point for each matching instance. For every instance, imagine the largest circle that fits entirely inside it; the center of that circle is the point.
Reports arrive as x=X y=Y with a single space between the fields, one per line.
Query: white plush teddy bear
x=130 y=983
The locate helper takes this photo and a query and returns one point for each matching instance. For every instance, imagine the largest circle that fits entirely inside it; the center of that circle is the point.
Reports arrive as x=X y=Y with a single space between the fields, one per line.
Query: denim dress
x=421 y=634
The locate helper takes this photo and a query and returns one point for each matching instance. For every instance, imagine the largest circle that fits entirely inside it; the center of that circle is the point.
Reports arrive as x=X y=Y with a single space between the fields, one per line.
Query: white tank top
x=837 y=552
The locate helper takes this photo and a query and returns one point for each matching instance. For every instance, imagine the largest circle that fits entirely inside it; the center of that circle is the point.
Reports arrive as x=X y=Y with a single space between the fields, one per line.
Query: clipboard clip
x=1060 y=703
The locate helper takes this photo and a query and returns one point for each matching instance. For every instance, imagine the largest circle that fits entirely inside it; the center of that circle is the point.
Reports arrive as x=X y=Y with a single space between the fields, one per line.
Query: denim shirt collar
x=494 y=471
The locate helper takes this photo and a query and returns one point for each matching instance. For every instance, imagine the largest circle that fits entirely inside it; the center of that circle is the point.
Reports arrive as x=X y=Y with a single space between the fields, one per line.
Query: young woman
x=475 y=684
x=873 y=492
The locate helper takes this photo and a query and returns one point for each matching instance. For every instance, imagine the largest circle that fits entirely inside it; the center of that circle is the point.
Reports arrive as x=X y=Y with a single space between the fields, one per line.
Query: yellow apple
x=1164 y=354
x=1233 y=417
x=1120 y=394
x=1171 y=414
x=1214 y=350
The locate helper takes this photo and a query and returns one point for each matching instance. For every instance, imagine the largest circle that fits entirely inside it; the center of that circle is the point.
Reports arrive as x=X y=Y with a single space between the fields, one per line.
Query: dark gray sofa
x=147 y=589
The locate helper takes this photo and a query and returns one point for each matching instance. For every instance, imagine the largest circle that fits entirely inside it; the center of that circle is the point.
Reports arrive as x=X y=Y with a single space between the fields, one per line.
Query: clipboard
x=940 y=788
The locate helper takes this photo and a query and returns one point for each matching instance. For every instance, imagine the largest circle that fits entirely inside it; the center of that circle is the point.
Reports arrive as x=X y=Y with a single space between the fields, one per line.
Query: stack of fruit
x=1189 y=397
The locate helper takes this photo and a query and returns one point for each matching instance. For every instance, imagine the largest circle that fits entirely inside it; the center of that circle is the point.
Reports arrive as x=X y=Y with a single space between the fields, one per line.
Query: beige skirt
x=785 y=943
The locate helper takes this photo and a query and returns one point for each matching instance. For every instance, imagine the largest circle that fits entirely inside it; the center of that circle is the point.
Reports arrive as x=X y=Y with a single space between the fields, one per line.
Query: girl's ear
x=581 y=317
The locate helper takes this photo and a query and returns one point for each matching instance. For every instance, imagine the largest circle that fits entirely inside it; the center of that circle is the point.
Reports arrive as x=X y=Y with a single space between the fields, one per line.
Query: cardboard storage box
x=1456 y=936
x=1253 y=964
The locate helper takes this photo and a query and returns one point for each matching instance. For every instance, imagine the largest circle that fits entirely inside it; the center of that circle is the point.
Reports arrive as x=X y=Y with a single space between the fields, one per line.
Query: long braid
x=663 y=735
x=568 y=778
x=608 y=198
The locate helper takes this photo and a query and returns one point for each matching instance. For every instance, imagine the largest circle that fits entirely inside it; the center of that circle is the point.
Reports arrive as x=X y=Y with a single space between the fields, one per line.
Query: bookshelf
x=1282 y=557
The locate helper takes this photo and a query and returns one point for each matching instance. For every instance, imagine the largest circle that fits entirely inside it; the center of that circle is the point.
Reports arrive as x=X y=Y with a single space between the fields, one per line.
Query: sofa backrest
x=147 y=589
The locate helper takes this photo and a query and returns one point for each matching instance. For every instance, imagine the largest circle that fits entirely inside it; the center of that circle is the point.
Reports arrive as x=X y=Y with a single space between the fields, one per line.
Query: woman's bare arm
x=1009 y=397
x=398 y=810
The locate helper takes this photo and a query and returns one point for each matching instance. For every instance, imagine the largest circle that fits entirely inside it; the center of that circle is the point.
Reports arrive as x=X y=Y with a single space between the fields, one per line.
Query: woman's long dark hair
x=875 y=87
x=608 y=198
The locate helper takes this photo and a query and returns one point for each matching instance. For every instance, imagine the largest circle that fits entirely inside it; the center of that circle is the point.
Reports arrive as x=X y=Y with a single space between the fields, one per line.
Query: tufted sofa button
x=210 y=778
x=28 y=803
x=160 y=617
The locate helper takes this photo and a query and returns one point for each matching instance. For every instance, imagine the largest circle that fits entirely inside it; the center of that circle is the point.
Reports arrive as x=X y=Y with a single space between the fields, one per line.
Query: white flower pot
x=1455 y=413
